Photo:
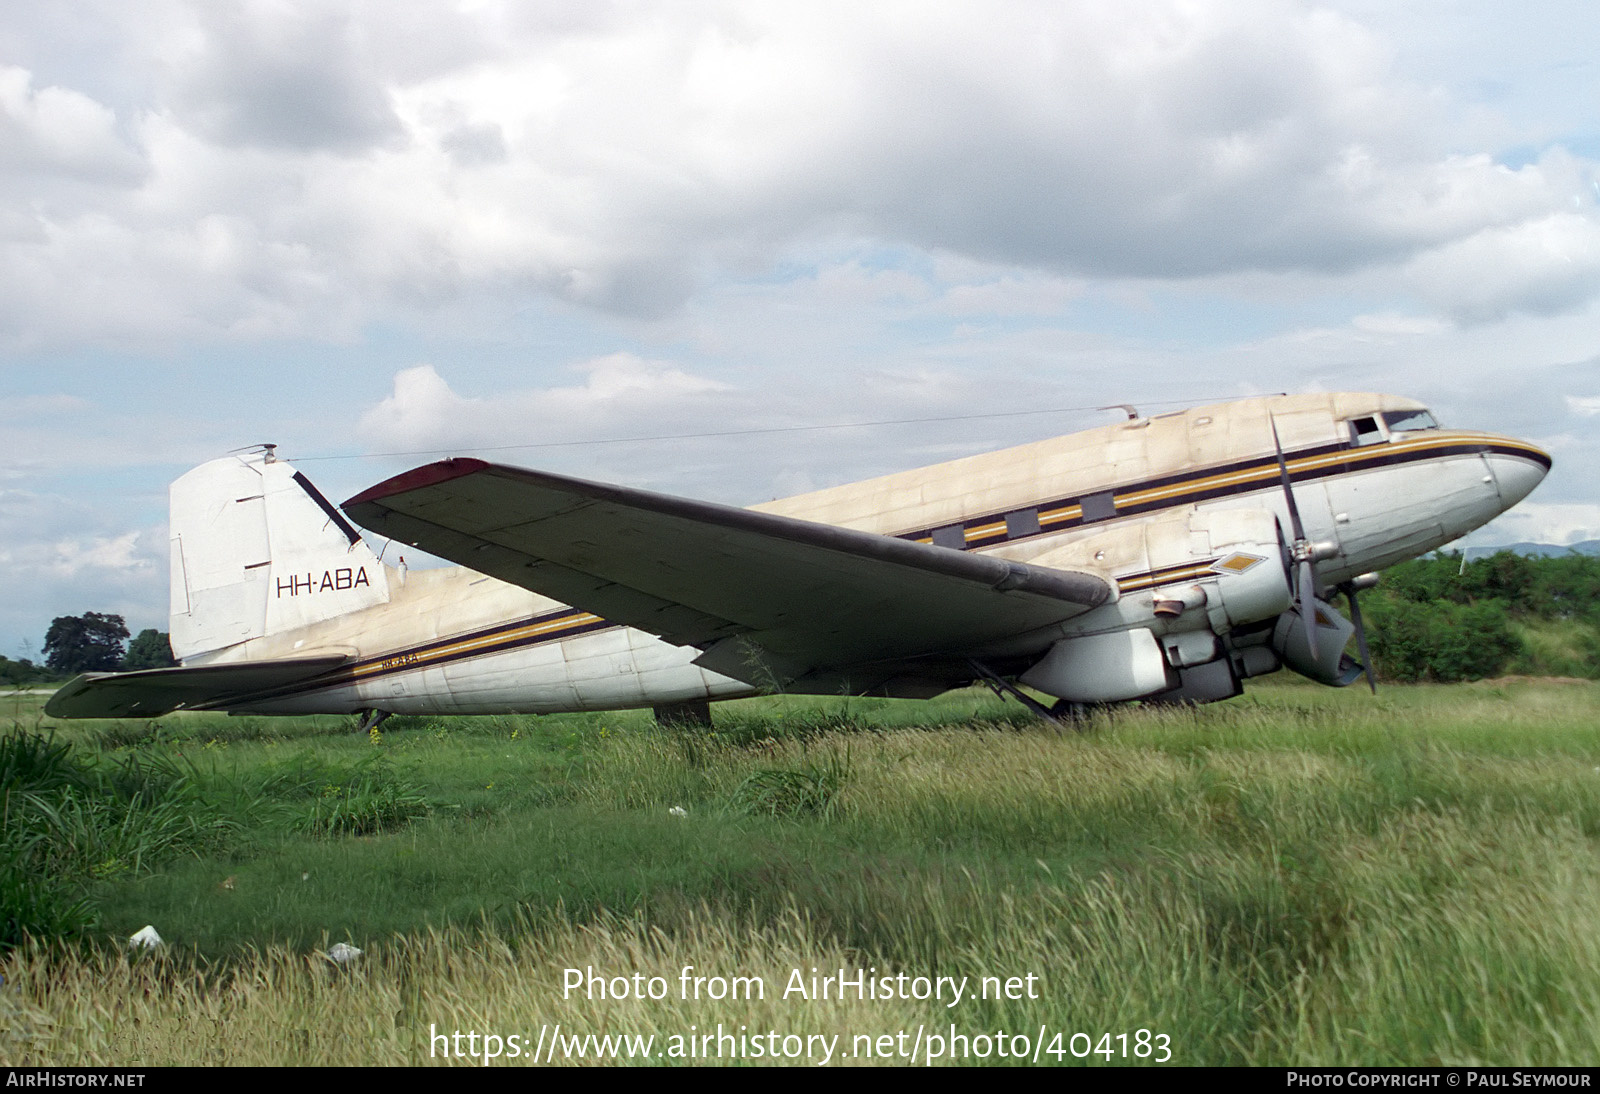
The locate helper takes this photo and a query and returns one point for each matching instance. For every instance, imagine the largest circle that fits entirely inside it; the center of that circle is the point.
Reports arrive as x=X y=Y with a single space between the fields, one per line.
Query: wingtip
x=417 y=478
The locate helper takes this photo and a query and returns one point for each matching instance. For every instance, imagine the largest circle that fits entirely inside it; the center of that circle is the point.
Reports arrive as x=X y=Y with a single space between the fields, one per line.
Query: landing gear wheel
x=688 y=714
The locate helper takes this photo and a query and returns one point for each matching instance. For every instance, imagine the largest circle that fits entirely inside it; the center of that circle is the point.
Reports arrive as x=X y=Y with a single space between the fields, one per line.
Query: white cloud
x=281 y=75
x=227 y=224
x=1390 y=324
x=49 y=573
x=1012 y=295
x=292 y=169
x=1556 y=523
x=1546 y=265
x=621 y=393
x=72 y=559
x=56 y=133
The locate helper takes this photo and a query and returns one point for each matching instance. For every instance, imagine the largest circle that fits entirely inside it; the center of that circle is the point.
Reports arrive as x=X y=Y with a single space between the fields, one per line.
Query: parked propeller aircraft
x=1165 y=558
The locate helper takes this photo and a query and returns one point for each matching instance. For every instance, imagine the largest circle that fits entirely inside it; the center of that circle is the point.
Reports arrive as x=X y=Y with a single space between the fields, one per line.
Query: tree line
x=1445 y=619
x=91 y=642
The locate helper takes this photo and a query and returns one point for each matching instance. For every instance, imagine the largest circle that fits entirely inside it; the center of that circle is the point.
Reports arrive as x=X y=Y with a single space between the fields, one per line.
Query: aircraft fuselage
x=1152 y=503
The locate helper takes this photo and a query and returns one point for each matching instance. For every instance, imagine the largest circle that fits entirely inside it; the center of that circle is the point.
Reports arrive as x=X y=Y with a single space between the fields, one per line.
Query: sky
x=812 y=242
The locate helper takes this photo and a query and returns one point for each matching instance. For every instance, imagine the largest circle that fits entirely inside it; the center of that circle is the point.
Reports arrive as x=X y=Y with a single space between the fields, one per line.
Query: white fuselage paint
x=1439 y=485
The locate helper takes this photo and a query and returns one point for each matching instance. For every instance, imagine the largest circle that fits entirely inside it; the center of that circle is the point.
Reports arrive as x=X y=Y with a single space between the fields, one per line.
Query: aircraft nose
x=1518 y=467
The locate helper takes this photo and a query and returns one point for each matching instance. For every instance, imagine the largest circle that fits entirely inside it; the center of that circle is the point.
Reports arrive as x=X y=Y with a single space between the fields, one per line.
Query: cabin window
x=1024 y=522
x=1098 y=507
x=1366 y=430
x=1405 y=421
x=953 y=536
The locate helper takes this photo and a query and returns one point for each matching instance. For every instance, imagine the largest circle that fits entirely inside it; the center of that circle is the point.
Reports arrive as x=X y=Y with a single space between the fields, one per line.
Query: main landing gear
x=371 y=720
x=689 y=714
x=1061 y=714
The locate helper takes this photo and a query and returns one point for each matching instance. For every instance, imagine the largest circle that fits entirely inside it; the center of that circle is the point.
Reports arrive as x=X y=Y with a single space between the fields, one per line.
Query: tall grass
x=1301 y=877
x=66 y=823
x=274 y=1006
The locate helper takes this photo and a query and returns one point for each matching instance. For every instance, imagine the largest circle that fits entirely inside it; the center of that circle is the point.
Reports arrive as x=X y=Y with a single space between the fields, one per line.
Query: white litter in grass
x=342 y=954
x=145 y=939
x=677 y=811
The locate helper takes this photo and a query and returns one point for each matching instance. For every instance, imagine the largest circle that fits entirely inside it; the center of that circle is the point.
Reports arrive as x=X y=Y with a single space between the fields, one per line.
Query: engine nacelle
x=1205 y=683
x=1102 y=668
x=1331 y=665
x=1227 y=563
x=1190 y=583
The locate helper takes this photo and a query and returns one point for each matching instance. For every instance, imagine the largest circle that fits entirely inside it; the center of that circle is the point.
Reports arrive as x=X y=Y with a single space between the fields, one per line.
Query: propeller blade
x=1288 y=487
x=1308 y=605
x=1361 y=638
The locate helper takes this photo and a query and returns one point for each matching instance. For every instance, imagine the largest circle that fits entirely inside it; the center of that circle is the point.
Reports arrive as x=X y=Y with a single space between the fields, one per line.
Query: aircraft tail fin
x=257 y=550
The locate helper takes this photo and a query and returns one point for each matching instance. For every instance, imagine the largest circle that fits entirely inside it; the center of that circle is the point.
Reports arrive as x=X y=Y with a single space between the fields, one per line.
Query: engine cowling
x=1185 y=580
x=1330 y=664
x=1206 y=599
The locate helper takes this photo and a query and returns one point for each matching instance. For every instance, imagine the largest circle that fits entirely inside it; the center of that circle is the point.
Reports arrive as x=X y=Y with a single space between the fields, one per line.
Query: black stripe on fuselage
x=1250 y=475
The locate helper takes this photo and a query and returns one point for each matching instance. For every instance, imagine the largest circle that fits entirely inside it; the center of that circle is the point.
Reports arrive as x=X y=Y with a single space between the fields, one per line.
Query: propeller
x=1365 y=581
x=1301 y=552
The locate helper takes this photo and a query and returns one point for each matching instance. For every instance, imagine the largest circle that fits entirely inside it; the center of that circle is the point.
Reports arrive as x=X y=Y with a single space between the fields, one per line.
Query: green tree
x=90 y=642
x=1567 y=587
x=1503 y=576
x=149 y=650
x=21 y=672
x=1423 y=579
x=1439 y=639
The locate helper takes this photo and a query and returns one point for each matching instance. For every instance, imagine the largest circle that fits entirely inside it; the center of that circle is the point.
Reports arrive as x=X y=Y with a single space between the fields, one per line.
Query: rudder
x=257 y=550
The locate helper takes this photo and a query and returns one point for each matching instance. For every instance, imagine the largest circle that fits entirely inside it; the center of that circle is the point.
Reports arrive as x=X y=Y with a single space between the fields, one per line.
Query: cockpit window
x=1377 y=428
x=1404 y=421
x=1365 y=430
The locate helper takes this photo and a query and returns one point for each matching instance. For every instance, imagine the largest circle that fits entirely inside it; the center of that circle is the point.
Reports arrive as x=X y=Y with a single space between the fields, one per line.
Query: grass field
x=1299 y=876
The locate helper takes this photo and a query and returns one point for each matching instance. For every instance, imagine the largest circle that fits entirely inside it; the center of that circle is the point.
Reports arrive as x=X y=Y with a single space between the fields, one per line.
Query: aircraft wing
x=764 y=595
x=152 y=692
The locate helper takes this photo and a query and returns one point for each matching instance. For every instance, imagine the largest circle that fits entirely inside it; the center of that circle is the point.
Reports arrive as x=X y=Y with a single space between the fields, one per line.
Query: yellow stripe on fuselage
x=466 y=647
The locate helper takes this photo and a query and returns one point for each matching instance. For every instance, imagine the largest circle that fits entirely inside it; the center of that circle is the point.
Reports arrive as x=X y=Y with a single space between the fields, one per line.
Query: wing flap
x=810 y=595
x=153 y=692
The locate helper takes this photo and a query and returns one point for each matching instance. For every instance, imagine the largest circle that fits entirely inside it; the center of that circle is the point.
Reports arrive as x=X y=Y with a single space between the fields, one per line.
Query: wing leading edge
x=763 y=595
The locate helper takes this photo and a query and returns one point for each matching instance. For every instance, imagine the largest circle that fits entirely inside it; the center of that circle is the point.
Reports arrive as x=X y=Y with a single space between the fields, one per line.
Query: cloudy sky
x=373 y=231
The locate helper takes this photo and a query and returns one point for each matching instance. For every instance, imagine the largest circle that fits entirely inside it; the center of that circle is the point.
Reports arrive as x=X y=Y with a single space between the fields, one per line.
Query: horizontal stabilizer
x=152 y=692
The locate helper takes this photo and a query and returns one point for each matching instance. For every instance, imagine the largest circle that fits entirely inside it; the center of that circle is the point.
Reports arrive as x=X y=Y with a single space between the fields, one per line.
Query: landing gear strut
x=371 y=720
x=1003 y=687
